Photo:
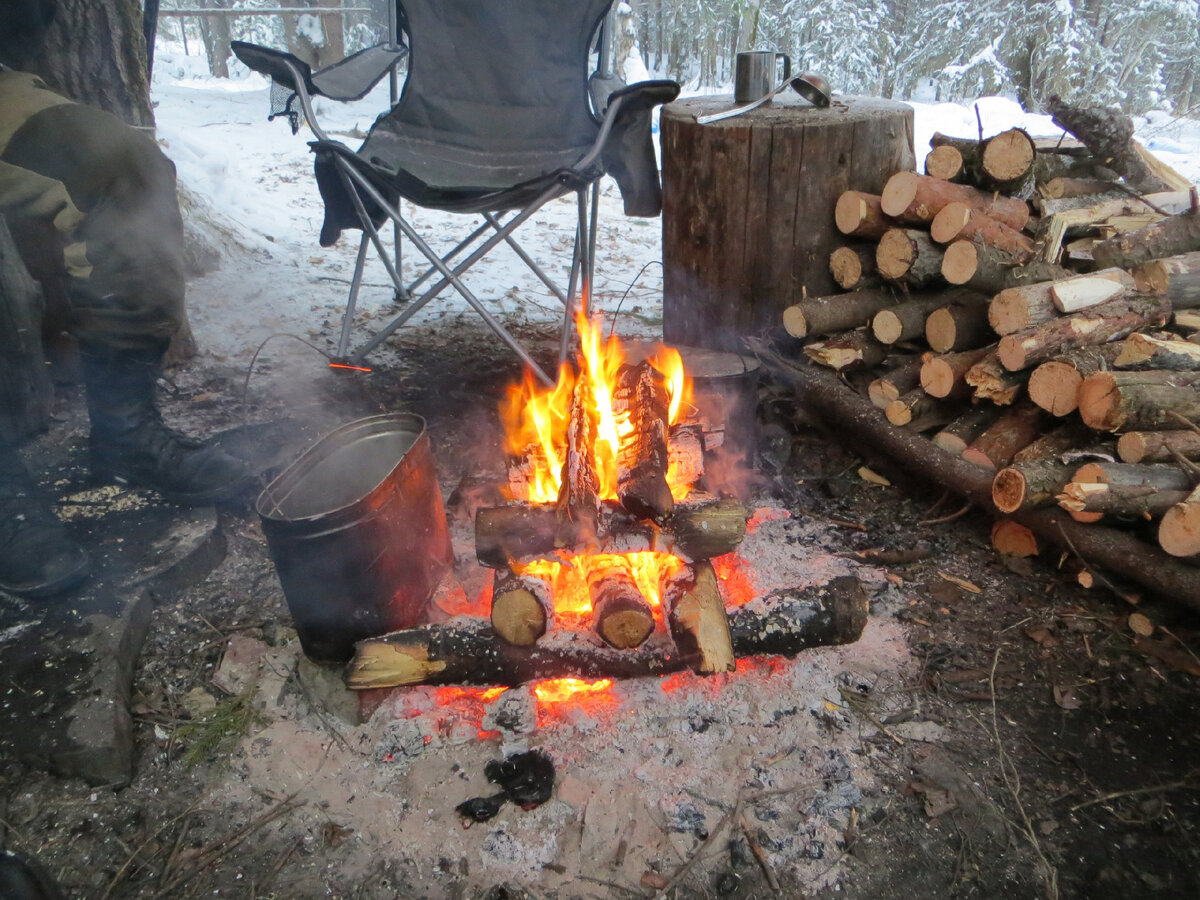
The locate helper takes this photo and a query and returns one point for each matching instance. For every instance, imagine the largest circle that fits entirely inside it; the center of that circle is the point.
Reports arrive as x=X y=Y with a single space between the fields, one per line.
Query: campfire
x=607 y=528
x=612 y=556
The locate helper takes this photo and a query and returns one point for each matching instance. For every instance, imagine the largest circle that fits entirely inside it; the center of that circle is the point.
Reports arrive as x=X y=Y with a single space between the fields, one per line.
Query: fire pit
x=613 y=554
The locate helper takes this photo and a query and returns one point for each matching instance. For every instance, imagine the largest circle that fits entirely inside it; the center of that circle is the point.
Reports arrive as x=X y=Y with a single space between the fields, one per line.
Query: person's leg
x=125 y=311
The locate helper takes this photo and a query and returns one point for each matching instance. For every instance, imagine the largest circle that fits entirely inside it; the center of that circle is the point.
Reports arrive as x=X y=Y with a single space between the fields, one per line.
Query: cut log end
x=1100 y=402
x=1008 y=490
x=1011 y=538
x=1008 y=156
x=518 y=616
x=1054 y=386
x=945 y=162
x=895 y=254
x=1179 y=530
x=960 y=262
x=626 y=628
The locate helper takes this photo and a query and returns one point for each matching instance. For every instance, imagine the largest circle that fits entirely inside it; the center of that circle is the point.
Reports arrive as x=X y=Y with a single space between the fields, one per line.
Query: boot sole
x=64 y=582
x=224 y=494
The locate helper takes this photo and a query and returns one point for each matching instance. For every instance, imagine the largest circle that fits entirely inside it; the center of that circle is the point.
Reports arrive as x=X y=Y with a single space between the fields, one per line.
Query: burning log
x=685 y=453
x=522 y=605
x=1100 y=324
x=853 y=267
x=860 y=215
x=839 y=312
x=1054 y=385
x=991 y=270
x=1158 y=446
x=853 y=350
x=918 y=198
x=1139 y=401
x=1012 y=432
x=909 y=256
x=944 y=376
x=701 y=527
x=959 y=221
x=466 y=650
x=579 y=497
x=695 y=613
x=642 y=457
x=620 y=614
x=1018 y=308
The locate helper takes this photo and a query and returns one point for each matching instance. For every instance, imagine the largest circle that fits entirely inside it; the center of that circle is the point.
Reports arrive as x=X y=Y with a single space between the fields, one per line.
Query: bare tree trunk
x=95 y=53
x=214 y=30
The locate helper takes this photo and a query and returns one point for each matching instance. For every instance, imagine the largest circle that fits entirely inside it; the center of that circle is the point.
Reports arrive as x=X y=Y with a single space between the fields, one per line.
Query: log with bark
x=1179 y=530
x=961 y=325
x=1145 y=351
x=917 y=199
x=1158 y=446
x=1017 y=308
x=913 y=406
x=642 y=456
x=578 y=503
x=958 y=435
x=1066 y=187
x=852 y=350
x=1054 y=385
x=466 y=650
x=945 y=162
x=621 y=616
x=1178 y=277
x=1003 y=162
x=991 y=270
x=859 y=424
x=993 y=382
x=1032 y=484
x=1108 y=134
x=908 y=255
x=818 y=316
x=853 y=268
x=1172 y=236
x=1140 y=401
x=1107 y=322
x=1084 y=218
x=1013 y=431
x=899 y=379
x=944 y=376
x=1095 y=500
x=522 y=606
x=905 y=321
x=958 y=220
x=695 y=613
x=702 y=526
x=859 y=215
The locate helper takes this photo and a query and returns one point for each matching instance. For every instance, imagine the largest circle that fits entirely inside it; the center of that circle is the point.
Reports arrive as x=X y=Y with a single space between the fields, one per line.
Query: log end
x=846 y=267
x=960 y=262
x=626 y=629
x=898 y=412
x=1054 y=387
x=378 y=664
x=886 y=326
x=1179 y=530
x=1008 y=490
x=851 y=608
x=1011 y=538
x=941 y=330
x=518 y=617
x=937 y=377
x=895 y=254
x=1011 y=352
x=1131 y=447
x=1100 y=402
x=794 y=322
x=950 y=220
x=899 y=193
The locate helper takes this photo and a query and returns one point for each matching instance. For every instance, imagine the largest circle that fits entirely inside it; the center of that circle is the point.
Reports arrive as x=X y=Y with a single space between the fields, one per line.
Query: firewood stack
x=1034 y=308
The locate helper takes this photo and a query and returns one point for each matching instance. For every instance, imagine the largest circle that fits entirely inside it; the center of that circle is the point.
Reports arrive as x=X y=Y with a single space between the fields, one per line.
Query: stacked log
x=1035 y=361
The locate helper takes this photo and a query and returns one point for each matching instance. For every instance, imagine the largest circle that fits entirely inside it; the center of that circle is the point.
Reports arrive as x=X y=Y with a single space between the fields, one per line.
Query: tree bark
x=906 y=321
x=959 y=221
x=945 y=376
x=958 y=435
x=899 y=379
x=1012 y=432
x=1108 y=133
x=1126 y=501
x=522 y=605
x=621 y=616
x=991 y=270
x=819 y=316
x=95 y=53
x=1107 y=322
x=1054 y=385
x=1171 y=236
x=918 y=198
x=1178 y=277
x=1158 y=446
x=1017 y=308
x=859 y=215
x=853 y=350
x=642 y=456
x=909 y=256
x=1139 y=401
x=1030 y=485
x=1143 y=351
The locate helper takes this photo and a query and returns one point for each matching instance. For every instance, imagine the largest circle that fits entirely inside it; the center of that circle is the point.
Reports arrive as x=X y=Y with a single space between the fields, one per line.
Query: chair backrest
x=499 y=75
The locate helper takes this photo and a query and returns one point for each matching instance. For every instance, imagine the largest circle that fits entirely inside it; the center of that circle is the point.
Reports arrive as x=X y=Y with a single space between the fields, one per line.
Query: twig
x=1183 y=420
x=950 y=518
x=1184 y=463
x=691 y=860
x=1185 y=783
x=610 y=884
x=1099 y=575
x=119 y=877
x=760 y=856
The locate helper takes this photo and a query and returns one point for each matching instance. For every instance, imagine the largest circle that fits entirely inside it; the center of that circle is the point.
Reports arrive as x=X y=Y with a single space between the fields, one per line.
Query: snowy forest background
x=1141 y=55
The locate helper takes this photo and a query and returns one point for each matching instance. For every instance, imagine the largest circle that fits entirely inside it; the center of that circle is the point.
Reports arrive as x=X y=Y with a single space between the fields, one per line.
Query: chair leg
x=580 y=265
x=352 y=300
x=528 y=260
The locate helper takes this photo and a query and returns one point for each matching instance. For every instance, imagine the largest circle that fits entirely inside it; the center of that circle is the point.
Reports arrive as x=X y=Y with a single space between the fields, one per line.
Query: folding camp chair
x=496 y=117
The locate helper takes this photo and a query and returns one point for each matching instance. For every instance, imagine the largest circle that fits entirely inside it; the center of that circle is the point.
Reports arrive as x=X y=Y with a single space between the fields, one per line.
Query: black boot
x=130 y=443
x=37 y=557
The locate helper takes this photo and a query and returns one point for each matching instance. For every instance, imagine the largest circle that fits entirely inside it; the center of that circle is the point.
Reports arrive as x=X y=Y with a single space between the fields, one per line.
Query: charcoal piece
x=527 y=778
x=480 y=809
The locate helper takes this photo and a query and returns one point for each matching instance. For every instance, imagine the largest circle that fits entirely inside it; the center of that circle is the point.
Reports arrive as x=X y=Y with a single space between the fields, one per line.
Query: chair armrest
x=355 y=76
x=284 y=68
x=628 y=151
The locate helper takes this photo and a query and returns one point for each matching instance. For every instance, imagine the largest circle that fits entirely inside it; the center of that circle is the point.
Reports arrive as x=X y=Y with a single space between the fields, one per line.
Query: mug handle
x=787 y=65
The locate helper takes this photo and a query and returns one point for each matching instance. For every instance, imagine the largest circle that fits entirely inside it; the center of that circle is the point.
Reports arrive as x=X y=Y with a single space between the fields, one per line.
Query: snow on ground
x=257 y=178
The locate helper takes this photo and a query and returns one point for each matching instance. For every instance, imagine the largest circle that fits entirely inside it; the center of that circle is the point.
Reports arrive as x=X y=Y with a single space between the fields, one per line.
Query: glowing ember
x=560 y=690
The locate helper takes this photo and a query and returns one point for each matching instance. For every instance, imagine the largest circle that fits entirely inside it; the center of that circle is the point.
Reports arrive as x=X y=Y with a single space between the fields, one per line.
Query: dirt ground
x=995 y=733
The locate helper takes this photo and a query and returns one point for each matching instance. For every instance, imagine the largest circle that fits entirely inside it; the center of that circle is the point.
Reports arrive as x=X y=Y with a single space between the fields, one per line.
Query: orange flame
x=535 y=418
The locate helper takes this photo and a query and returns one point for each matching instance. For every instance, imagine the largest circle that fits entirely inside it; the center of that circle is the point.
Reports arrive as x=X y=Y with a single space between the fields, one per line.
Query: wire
x=612 y=327
x=295 y=337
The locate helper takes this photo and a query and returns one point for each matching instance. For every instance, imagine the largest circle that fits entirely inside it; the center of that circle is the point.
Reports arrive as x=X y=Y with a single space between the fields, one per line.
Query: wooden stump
x=748 y=206
x=25 y=389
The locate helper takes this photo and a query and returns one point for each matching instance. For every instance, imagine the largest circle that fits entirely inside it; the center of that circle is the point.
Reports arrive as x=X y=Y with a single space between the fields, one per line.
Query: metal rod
x=352 y=300
x=277 y=11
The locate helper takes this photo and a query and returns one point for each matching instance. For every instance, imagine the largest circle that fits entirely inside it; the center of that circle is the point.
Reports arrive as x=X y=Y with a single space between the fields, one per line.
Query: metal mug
x=755 y=74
